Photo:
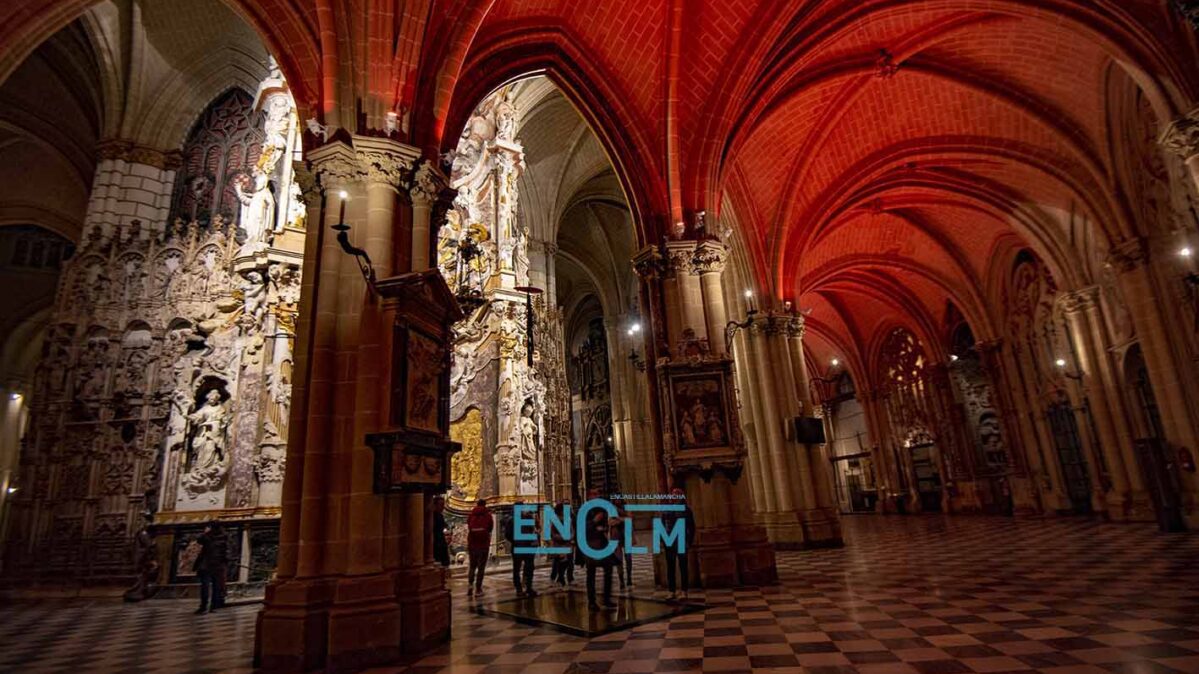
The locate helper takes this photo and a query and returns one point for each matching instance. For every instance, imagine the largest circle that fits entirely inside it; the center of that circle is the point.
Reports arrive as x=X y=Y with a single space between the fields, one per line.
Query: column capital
x=305 y=179
x=1181 y=136
x=383 y=160
x=679 y=255
x=1128 y=254
x=648 y=263
x=127 y=150
x=1080 y=300
x=334 y=164
x=427 y=183
x=709 y=258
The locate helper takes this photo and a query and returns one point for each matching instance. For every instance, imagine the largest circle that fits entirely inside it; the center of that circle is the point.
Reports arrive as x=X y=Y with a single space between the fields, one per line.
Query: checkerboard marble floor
x=923 y=595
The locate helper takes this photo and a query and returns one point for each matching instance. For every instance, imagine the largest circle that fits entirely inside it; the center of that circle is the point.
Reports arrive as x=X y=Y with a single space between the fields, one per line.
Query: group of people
x=600 y=530
x=212 y=557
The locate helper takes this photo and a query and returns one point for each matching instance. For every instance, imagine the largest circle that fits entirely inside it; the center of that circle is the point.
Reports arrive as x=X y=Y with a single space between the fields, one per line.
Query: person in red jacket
x=479 y=525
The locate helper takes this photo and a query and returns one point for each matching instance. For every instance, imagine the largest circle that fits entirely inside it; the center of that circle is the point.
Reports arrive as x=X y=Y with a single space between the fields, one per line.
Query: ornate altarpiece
x=510 y=415
x=165 y=381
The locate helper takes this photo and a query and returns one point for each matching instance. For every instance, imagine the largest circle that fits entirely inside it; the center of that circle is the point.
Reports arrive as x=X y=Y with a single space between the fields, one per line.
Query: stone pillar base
x=782 y=530
x=728 y=558
x=967 y=500
x=717 y=560
x=821 y=528
x=349 y=624
x=755 y=557
x=424 y=608
x=292 y=628
x=364 y=623
x=1139 y=507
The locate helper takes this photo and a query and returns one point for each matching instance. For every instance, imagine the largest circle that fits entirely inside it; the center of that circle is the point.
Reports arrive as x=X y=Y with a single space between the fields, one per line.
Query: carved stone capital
x=679 y=255
x=1080 y=300
x=310 y=191
x=427 y=183
x=648 y=263
x=1128 y=255
x=1182 y=135
x=127 y=150
x=795 y=327
x=709 y=258
x=383 y=167
x=334 y=164
x=551 y=249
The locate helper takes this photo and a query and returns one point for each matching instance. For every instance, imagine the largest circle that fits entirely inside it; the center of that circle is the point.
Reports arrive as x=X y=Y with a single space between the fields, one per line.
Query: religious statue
x=297 y=210
x=505 y=120
x=207 y=444
x=253 y=299
x=528 y=434
x=258 y=209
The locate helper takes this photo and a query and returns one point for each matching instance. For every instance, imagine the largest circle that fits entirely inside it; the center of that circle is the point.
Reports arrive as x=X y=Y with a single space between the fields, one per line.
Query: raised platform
x=567 y=611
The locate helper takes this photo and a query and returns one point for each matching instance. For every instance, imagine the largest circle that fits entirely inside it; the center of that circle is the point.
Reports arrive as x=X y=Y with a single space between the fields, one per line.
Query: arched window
x=221 y=150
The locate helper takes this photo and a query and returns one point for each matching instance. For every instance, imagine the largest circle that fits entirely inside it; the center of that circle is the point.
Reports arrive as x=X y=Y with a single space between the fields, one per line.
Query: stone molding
x=1080 y=300
x=1181 y=136
x=127 y=150
x=1128 y=255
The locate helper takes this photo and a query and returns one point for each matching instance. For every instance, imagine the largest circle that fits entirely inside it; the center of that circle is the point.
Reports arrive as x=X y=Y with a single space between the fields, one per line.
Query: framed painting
x=700 y=408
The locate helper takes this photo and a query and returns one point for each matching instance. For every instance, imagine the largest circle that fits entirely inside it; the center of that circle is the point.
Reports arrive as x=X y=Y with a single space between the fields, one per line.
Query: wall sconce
x=834 y=362
x=343 y=239
x=635 y=358
x=730 y=330
x=1062 y=367
x=16 y=397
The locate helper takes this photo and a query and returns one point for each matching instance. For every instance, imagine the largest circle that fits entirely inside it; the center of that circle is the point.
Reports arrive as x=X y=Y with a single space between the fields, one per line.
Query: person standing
x=211 y=565
x=616 y=533
x=441 y=547
x=479 y=525
x=676 y=552
x=561 y=563
x=597 y=540
x=522 y=563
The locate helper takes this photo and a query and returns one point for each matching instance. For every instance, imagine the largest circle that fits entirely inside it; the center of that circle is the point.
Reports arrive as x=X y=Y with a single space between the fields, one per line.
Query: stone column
x=131 y=183
x=1015 y=433
x=353 y=588
x=689 y=299
x=708 y=263
x=427 y=184
x=782 y=503
x=1167 y=369
x=1128 y=498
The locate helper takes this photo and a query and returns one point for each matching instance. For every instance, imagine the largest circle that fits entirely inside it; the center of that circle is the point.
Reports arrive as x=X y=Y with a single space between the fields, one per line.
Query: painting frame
x=699 y=405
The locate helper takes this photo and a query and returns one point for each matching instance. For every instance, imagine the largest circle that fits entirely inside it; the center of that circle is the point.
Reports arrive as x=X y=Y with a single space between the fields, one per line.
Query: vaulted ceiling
x=880 y=160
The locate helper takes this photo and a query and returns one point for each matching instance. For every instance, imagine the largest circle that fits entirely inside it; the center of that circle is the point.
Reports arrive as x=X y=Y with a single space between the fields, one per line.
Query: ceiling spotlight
x=1185 y=251
x=1060 y=362
x=835 y=362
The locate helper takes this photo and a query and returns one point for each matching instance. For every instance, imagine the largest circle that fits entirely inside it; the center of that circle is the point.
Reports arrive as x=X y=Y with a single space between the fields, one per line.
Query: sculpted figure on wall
x=207 y=445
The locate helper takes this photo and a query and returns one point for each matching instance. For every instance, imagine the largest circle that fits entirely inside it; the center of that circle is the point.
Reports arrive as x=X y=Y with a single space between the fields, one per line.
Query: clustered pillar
x=687 y=274
x=354 y=584
x=798 y=509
